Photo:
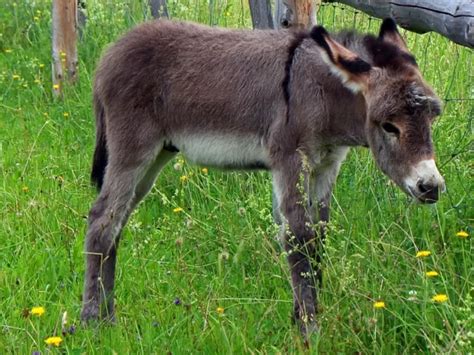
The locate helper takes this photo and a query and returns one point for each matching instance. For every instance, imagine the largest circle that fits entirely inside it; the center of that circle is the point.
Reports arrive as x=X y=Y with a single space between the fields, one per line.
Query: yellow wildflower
x=462 y=234
x=379 y=304
x=15 y=77
x=37 y=311
x=183 y=178
x=41 y=66
x=423 y=254
x=440 y=298
x=56 y=86
x=204 y=171
x=66 y=114
x=62 y=54
x=56 y=341
x=178 y=209
x=220 y=310
x=25 y=189
x=432 y=273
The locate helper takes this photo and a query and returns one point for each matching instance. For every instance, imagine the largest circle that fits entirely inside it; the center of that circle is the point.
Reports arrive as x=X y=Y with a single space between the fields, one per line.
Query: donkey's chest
x=224 y=151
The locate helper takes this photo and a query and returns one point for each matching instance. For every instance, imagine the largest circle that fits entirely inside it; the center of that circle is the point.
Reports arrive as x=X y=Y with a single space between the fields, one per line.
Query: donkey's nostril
x=423 y=187
x=429 y=192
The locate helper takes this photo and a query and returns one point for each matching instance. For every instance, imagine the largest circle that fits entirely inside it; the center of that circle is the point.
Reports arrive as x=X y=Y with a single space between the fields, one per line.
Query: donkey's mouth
x=426 y=197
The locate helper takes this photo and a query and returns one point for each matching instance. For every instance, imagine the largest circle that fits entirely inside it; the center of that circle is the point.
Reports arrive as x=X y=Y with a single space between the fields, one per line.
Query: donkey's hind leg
x=106 y=219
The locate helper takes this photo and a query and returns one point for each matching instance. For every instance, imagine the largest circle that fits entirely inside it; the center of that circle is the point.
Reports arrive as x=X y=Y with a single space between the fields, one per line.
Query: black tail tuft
x=100 y=154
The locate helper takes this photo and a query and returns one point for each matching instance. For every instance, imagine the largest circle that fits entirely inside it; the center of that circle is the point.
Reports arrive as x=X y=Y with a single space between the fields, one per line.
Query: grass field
x=212 y=278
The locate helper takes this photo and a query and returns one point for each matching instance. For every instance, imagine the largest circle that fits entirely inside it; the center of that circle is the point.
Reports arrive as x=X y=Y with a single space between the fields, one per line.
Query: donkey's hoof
x=108 y=319
x=90 y=313
x=307 y=329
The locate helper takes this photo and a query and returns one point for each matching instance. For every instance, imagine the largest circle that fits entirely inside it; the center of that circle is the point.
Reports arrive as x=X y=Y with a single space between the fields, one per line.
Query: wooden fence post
x=453 y=19
x=64 y=48
x=158 y=8
x=296 y=13
x=261 y=11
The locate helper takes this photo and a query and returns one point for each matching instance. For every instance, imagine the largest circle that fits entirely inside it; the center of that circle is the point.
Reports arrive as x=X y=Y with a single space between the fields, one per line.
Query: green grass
x=221 y=251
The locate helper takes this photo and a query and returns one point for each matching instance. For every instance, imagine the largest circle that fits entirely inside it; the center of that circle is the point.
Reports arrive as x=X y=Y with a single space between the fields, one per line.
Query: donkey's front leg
x=299 y=241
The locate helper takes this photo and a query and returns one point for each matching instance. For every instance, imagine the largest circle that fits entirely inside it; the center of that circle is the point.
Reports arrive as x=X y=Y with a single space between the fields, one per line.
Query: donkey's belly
x=223 y=151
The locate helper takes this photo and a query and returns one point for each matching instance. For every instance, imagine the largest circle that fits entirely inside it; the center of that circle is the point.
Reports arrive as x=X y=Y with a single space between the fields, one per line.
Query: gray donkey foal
x=292 y=103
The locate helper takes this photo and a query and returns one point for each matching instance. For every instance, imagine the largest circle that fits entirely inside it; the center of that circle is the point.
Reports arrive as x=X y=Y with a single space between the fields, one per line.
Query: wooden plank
x=453 y=19
x=64 y=43
x=296 y=13
x=261 y=11
x=158 y=8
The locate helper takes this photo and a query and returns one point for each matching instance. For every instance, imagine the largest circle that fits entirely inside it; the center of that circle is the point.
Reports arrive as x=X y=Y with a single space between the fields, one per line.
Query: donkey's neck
x=349 y=112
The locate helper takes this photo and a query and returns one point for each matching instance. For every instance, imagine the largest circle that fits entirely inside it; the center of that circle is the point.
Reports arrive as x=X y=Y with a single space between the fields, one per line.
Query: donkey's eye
x=390 y=128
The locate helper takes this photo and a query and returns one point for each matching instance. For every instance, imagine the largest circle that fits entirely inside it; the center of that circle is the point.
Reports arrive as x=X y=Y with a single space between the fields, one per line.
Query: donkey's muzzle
x=424 y=182
x=428 y=193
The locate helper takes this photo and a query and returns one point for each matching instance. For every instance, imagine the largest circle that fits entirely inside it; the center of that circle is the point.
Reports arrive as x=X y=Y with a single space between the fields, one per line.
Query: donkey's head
x=401 y=107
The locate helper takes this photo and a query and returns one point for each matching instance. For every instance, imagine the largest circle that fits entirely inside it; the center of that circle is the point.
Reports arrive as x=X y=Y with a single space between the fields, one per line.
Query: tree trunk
x=296 y=14
x=453 y=19
x=64 y=48
x=158 y=8
x=261 y=11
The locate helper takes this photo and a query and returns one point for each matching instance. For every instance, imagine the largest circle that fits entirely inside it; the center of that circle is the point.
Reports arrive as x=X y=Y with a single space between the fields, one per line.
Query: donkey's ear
x=352 y=70
x=389 y=33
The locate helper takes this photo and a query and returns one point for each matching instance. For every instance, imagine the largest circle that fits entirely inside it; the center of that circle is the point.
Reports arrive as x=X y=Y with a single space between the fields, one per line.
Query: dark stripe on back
x=294 y=44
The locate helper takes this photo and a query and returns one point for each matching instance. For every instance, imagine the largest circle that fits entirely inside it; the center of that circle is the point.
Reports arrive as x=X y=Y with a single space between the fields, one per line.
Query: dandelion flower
x=25 y=189
x=432 y=273
x=379 y=304
x=62 y=54
x=183 y=178
x=439 y=298
x=66 y=114
x=37 y=311
x=56 y=86
x=462 y=234
x=204 y=171
x=41 y=66
x=423 y=254
x=220 y=310
x=177 y=210
x=56 y=341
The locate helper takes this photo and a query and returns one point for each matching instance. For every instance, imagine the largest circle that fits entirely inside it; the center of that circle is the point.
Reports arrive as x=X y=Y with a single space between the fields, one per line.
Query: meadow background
x=212 y=278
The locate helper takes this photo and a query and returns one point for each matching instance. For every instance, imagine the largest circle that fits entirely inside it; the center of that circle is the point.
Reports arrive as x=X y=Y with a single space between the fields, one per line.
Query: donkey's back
x=210 y=93
x=181 y=70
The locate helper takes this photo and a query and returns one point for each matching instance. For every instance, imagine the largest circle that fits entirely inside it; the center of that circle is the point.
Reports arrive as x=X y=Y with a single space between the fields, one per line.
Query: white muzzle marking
x=424 y=172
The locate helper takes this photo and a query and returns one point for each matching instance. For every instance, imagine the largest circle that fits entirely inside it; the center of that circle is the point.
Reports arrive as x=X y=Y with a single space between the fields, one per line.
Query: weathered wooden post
x=158 y=8
x=296 y=13
x=453 y=19
x=64 y=47
x=261 y=11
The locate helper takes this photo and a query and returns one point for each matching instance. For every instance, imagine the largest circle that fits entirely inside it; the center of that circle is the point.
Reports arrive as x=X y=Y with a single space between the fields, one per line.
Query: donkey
x=289 y=102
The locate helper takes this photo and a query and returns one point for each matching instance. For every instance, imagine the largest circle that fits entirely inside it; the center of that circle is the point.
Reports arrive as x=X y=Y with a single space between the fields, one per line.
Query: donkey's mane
x=368 y=47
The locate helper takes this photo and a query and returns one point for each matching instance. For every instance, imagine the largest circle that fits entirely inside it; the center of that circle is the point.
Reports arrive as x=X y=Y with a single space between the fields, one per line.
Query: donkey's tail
x=100 y=154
